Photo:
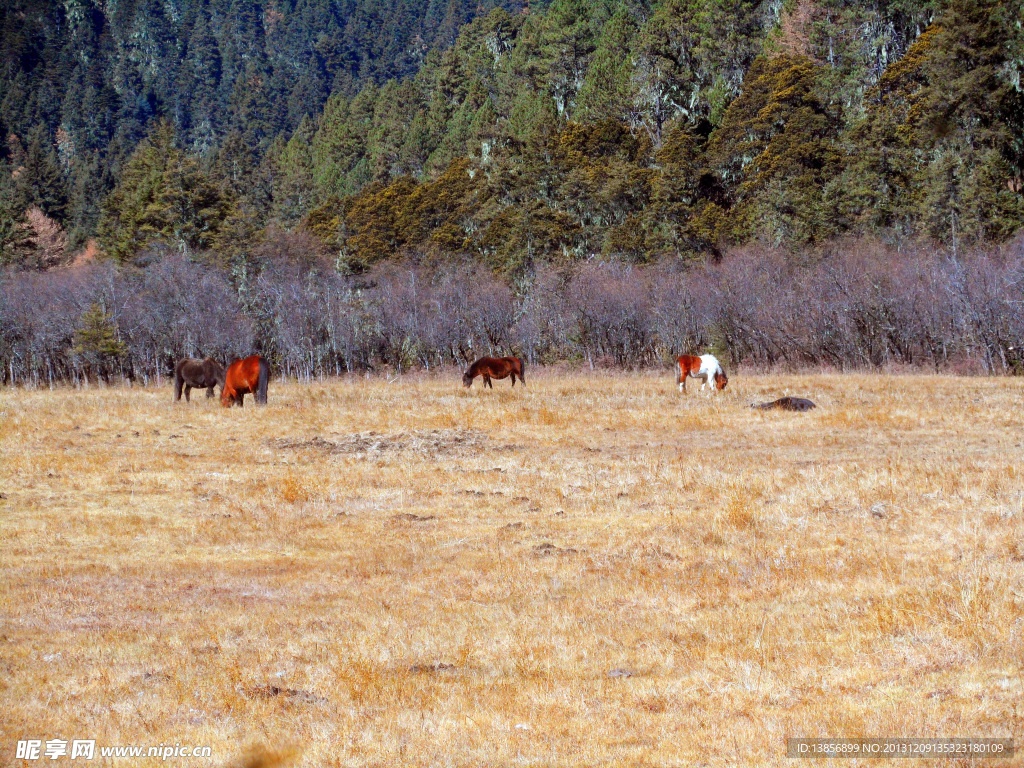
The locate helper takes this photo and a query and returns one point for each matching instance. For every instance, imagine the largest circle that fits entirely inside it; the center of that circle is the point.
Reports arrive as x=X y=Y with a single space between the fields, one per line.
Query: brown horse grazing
x=243 y=377
x=701 y=368
x=201 y=374
x=494 y=368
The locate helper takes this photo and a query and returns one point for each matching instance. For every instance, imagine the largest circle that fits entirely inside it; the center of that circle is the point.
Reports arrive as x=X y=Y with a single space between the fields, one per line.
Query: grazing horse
x=701 y=368
x=201 y=374
x=243 y=377
x=494 y=368
x=787 y=404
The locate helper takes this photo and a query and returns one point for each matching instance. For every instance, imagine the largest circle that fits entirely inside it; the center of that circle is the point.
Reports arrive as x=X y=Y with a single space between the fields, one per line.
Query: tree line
x=855 y=307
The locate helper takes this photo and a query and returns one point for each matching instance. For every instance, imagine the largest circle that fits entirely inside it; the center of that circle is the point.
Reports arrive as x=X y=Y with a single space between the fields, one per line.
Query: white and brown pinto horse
x=703 y=367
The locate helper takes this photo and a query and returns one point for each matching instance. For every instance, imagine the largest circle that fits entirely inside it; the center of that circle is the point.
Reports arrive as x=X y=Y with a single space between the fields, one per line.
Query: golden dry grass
x=594 y=570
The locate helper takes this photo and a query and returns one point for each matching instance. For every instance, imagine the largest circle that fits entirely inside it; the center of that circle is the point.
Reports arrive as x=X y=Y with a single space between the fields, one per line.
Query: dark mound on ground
x=787 y=404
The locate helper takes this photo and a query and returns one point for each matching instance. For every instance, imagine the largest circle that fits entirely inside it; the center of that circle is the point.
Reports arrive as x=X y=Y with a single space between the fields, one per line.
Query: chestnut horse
x=243 y=377
x=701 y=368
x=201 y=374
x=494 y=368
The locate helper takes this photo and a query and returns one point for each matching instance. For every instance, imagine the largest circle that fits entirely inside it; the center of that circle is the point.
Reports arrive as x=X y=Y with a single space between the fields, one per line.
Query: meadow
x=593 y=570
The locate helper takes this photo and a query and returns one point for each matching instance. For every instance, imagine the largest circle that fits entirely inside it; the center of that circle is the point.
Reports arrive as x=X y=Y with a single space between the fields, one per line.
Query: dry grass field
x=594 y=570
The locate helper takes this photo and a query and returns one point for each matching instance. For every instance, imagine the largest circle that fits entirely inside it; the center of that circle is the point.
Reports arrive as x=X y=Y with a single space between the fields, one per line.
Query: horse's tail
x=522 y=371
x=264 y=379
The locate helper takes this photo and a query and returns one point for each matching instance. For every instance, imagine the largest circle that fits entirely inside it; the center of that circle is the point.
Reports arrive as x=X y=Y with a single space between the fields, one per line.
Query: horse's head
x=467 y=377
x=214 y=370
x=227 y=396
x=721 y=379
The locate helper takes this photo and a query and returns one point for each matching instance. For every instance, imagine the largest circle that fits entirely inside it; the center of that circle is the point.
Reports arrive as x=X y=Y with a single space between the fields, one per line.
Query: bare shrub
x=857 y=305
x=544 y=325
x=611 y=304
x=177 y=308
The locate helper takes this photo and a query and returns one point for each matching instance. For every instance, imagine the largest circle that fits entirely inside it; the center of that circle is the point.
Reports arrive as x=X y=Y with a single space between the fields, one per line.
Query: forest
x=789 y=182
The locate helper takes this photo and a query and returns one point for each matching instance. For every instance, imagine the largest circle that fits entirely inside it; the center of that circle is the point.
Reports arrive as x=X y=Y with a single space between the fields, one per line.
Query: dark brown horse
x=494 y=368
x=201 y=374
x=243 y=377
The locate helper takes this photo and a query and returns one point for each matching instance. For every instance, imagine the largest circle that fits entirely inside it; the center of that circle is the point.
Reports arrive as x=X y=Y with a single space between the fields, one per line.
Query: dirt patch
x=411 y=518
x=274 y=691
x=547 y=549
x=426 y=441
x=429 y=669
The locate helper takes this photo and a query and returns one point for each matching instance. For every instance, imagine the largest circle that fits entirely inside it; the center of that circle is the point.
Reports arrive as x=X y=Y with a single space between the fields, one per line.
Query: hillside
x=628 y=130
x=681 y=128
x=83 y=81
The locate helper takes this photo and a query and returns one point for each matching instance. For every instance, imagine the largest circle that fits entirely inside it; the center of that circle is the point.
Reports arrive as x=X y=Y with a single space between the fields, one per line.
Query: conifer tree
x=15 y=243
x=40 y=178
x=163 y=195
x=293 y=182
x=97 y=342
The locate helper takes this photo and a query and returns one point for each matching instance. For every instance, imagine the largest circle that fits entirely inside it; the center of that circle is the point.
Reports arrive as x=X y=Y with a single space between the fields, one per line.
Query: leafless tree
x=857 y=305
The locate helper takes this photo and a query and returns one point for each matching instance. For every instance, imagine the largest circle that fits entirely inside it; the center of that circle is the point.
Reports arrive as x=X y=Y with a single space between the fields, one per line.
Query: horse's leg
x=487 y=381
x=682 y=381
x=209 y=391
x=188 y=393
x=513 y=381
x=241 y=399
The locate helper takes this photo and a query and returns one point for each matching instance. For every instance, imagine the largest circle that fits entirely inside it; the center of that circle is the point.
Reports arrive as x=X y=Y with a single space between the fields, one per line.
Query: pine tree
x=293 y=183
x=340 y=145
x=606 y=93
x=15 y=243
x=774 y=152
x=89 y=184
x=97 y=342
x=236 y=166
x=127 y=222
x=41 y=179
x=199 y=81
x=163 y=195
x=189 y=208
x=394 y=111
x=940 y=147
